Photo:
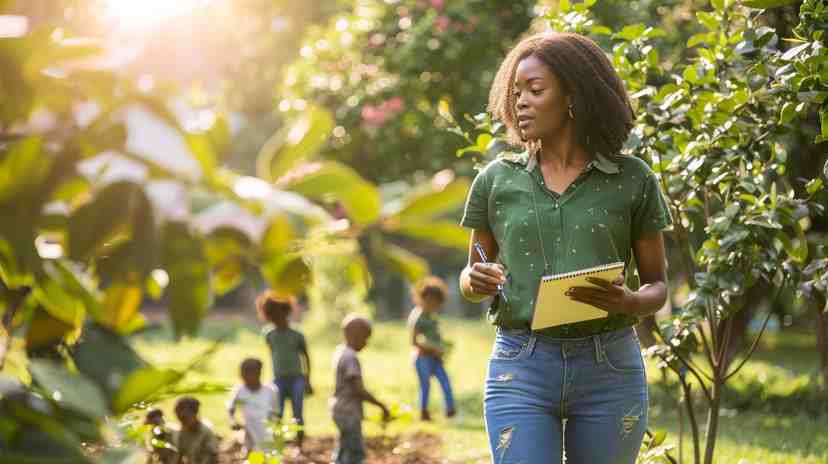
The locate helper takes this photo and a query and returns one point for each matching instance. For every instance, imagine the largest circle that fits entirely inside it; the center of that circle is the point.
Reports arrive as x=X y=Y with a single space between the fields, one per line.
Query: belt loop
x=599 y=348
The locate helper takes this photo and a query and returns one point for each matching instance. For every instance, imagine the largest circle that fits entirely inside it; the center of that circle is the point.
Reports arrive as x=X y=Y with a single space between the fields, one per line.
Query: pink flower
x=394 y=105
x=442 y=23
x=437 y=4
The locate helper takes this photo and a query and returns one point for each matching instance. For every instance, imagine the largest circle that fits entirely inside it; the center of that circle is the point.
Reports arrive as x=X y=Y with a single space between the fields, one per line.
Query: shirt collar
x=603 y=163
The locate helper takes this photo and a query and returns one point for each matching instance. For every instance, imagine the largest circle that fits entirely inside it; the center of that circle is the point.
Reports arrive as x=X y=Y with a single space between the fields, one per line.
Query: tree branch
x=755 y=343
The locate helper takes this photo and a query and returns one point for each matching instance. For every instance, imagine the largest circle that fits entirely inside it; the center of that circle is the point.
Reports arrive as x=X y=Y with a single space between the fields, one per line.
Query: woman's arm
x=614 y=297
x=479 y=280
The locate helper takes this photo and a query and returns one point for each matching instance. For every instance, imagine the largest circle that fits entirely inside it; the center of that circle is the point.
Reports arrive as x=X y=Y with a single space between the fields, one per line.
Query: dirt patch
x=416 y=448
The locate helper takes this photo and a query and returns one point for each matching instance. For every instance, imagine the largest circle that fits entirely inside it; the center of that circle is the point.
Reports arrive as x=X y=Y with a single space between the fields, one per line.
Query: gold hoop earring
x=571 y=113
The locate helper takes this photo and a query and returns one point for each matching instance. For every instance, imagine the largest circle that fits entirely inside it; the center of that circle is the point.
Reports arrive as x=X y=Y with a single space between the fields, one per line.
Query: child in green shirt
x=429 y=296
x=289 y=353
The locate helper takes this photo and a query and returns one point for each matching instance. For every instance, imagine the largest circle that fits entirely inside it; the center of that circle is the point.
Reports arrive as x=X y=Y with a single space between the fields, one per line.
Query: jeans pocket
x=509 y=347
x=623 y=355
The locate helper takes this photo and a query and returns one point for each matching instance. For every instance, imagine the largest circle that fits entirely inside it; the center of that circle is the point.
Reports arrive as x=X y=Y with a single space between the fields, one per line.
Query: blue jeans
x=292 y=387
x=587 y=396
x=428 y=366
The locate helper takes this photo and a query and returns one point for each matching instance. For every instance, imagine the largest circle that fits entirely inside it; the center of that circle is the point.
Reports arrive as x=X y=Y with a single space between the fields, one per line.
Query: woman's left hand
x=612 y=297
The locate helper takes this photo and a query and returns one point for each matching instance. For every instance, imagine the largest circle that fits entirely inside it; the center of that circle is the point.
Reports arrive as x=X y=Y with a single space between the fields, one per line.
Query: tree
x=382 y=69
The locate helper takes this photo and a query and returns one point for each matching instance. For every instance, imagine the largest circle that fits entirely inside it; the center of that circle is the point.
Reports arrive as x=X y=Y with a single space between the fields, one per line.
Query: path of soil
x=416 y=448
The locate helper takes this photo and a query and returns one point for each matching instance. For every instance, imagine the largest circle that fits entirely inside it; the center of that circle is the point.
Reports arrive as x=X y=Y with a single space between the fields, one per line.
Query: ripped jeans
x=587 y=396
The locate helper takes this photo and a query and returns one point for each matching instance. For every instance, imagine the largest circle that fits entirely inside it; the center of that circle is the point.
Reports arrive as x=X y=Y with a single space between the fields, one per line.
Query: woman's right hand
x=485 y=277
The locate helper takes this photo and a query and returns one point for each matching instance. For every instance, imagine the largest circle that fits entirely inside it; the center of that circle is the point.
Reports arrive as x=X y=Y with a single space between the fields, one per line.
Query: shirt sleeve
x=652 y=213
x=476 y=211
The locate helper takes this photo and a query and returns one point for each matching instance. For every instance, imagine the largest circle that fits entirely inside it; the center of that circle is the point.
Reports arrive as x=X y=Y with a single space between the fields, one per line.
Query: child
x=429 y=347
x=289 y=352
x=350 y=392
x=196 y=442
x=161 y=440
x=258 y=403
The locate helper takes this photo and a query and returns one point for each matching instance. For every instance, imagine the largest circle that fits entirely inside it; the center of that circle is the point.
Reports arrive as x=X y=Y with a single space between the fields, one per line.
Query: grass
x=746 y=437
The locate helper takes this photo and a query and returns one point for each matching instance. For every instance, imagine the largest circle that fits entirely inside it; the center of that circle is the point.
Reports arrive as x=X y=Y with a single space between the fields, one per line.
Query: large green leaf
x=189 y=292
x=400 y=260
x=45 y=329
x=297 y=142
x=108 y=215
x=141 y=385
x=209 y=145
x=23 y=169
x=332 y=181
x=121 y=303
x=432 y=201
x=278 y=236
x=67 y=388
x=445 y=233
x=287 y=273
x=106 y=358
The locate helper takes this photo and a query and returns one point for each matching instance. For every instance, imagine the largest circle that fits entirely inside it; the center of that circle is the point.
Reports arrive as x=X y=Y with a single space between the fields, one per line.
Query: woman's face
x=541 y=107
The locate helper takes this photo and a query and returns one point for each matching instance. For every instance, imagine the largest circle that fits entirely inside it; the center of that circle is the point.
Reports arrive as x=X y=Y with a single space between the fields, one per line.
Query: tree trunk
x=822 y=336
x=713 y=419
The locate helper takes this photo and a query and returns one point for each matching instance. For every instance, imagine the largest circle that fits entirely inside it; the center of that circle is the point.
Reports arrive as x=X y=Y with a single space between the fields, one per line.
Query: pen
x=482 y=254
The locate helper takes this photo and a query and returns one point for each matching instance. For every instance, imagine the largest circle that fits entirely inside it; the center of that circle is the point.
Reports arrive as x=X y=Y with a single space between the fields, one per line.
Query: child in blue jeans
x=289 y=352
x=429 y=346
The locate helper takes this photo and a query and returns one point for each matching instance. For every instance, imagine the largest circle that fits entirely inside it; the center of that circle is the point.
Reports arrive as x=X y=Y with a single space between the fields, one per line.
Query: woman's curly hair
x=602 y=110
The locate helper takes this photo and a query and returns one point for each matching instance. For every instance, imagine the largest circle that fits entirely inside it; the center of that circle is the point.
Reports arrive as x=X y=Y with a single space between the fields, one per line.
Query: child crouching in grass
x=258 y=403
x=429 y=347
x=350 y=392
x=289 y=353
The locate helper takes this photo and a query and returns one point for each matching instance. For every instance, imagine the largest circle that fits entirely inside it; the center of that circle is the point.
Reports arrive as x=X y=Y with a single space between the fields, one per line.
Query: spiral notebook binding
x=582 y=272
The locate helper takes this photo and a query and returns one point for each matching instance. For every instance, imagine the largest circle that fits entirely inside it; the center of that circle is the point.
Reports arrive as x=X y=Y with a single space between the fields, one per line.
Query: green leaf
x=632 y=32
x=718 y=4
x=433 y=202
x=295 y=143
x=105 y=358
x=787 y=113
x=823 y=118
x=107 y=216
x=709 y=20
x=332 y=181
x=699 y=38
x=278 y=236
x=767 y=3
x=401 y=261
x=600 y=30
x=189 y=292
x=69 y=389
x=23 y=169
x=564 y=6
x=121 y=303
x=141 y=385
x=44 y=329
x=287 y=273
x=202 y=150
x=445 y=233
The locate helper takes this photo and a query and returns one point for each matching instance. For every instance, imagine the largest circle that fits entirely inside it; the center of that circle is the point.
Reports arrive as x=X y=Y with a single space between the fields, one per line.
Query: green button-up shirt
x=595 y=221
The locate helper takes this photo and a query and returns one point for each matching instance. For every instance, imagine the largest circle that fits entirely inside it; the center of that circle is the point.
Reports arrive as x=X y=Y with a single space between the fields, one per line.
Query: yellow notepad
x=553 y=307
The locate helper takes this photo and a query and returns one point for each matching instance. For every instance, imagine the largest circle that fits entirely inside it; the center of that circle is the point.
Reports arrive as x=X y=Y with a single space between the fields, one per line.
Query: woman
x=569 y=202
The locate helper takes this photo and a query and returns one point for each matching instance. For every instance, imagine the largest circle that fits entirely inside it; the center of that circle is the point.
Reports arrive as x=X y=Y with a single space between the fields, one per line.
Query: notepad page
x=554 y=308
